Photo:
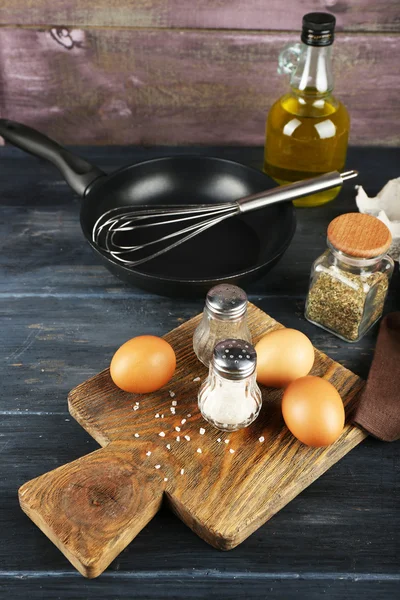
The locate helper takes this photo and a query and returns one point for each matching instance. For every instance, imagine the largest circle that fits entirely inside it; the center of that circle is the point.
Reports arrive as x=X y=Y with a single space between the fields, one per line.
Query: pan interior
x=235 y=245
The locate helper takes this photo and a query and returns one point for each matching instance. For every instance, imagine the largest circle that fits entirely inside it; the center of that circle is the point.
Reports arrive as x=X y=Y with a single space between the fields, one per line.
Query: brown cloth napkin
x=379 y=409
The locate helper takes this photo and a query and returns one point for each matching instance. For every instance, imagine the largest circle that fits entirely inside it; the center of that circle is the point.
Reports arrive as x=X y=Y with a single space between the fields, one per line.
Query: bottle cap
x=227 y=301
x=318 y=29
x=359 y=235
x=234 y=359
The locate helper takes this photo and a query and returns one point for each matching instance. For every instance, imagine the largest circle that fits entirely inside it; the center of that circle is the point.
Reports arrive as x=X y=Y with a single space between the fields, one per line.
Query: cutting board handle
x=93 y=507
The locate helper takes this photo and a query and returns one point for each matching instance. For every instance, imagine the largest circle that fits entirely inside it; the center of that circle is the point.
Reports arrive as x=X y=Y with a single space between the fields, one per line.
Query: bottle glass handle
x=288 y=59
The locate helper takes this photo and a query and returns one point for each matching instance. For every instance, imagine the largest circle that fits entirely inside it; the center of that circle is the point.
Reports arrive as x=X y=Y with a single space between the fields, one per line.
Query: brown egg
x=283 y=356
x=143 y=364
x=313 y=411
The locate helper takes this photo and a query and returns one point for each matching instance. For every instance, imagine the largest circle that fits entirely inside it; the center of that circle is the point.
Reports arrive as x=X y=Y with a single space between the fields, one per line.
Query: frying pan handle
x=78 y=173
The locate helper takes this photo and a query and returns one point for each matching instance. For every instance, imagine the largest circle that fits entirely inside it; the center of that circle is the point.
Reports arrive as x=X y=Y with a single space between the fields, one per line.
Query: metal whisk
x=111 y=229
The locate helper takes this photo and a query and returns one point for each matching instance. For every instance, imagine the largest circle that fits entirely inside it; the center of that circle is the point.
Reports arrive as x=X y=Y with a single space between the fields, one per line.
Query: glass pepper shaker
x=224 y=316
x=230 y=398
x=349 y=282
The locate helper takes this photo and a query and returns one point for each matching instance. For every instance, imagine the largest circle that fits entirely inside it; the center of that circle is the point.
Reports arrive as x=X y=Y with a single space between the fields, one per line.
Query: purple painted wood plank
x=352 y=15
x=121 y=86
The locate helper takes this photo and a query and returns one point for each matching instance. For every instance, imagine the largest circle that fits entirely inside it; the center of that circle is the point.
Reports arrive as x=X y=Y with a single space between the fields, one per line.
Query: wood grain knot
x=100 y=494
x=68 y=38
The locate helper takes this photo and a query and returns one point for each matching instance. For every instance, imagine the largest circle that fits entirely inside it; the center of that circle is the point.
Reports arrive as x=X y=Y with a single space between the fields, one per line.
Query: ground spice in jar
x=337 y=302
x=349 y=282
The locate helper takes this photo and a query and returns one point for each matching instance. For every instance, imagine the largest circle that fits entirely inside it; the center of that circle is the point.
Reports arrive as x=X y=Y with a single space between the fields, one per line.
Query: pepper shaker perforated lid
x=359 y=235
x=227 y=301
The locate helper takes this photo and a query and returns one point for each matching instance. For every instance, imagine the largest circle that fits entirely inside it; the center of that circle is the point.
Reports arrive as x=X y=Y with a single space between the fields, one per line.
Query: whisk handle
x=78 y=173
x=294 y=190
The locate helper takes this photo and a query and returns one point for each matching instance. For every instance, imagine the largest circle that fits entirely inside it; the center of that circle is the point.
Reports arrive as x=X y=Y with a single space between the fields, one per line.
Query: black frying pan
x=238 y=250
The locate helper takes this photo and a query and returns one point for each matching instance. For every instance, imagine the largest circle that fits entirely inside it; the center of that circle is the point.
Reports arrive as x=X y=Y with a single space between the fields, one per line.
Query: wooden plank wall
x=185 y=71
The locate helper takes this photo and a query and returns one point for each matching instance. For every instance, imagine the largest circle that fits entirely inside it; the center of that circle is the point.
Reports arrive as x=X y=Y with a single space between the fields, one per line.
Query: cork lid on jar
x=360 y=235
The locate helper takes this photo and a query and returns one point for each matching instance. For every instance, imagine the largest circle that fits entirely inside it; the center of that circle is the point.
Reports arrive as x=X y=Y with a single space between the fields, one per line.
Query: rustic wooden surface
x=339 y=538
x=351 y=15
x=119 y=85
x=93 y=507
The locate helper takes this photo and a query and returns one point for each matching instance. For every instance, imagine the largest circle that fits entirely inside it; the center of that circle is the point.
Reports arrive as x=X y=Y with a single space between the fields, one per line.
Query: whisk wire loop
x=131 y=220
x=120 y=220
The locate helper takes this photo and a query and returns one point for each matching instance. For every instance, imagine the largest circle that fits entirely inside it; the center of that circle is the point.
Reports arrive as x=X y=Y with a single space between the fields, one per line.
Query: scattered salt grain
x=161 y=434
x=157 y=466
x=182 y=471
x=177 y=428
x=137 y=435
x=137 y=403
x=157 y=416
x=202 y=431
x=188 y=416
x=136 y=408
x=162 y=416
x=183 y=421
x=218 y=440
x=172 y=409
x=148 y=453
x=231 y=450
x=187 y=437
x=174 y=403
x=165 y=478
x=168 y=446
x=196 y=379
x=199 y=450
x=171 y=393
x=226 y=441
x=261 y=439
x=178 y=438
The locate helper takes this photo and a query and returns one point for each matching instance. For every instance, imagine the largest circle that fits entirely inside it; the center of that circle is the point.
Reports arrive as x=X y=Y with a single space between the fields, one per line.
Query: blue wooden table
x=62 y=317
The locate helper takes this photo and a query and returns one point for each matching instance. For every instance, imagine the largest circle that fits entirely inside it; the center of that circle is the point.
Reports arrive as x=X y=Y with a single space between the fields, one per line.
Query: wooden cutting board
x=92 y=508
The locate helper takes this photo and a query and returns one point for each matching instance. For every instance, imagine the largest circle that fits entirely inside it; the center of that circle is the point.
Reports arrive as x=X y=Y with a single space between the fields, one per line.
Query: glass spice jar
x=349 y=282
x=230 y=398
x=224 y=316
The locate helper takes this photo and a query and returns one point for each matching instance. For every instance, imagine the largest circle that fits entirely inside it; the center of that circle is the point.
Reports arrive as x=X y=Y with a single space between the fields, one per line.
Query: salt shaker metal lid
x=234 y=359
x=227 y=301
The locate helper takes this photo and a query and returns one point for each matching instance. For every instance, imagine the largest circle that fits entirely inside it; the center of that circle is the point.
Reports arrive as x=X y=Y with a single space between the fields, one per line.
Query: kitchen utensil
x=235 y=251
x=93 y=507
x=122 y=221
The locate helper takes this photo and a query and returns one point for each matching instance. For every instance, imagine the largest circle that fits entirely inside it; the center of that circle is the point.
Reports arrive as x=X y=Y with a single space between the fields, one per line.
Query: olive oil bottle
x=307 y=129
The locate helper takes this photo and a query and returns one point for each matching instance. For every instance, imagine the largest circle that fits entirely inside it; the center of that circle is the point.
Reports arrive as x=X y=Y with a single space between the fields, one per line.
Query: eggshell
x=283 y=356
x=143 y=364
x=313 y=411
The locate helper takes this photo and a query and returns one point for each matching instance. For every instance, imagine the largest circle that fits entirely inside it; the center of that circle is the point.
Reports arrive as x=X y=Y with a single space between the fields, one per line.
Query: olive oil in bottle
x=307 y=129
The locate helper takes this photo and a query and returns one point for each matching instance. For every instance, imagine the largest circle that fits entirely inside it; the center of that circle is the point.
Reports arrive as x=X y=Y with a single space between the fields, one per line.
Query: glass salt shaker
x=224 y=316
x=230 y=398
x=349 y=282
